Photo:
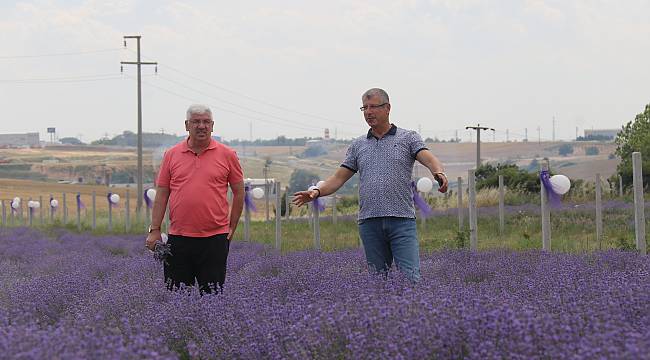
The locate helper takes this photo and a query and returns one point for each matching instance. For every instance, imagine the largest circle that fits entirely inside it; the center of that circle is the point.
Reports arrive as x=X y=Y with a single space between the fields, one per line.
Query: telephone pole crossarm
x=478 y=129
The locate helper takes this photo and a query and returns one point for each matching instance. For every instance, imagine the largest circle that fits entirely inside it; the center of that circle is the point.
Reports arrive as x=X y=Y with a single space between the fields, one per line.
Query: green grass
x=571 y=231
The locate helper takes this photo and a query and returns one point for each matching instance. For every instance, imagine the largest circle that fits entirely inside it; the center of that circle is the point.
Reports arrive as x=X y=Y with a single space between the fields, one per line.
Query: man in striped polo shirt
x=384 y=159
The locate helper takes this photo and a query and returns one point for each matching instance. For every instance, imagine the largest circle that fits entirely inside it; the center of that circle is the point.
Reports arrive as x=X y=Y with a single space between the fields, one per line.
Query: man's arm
x=330 y=186
x=426 y=158
x=237 y=206
x=157 y=214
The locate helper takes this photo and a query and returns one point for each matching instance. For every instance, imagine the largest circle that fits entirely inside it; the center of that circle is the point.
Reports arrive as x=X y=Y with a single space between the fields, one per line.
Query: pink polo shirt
x=198 y=185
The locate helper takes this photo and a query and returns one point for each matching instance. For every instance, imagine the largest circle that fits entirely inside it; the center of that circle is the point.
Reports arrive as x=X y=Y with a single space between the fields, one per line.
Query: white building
x=20 y=140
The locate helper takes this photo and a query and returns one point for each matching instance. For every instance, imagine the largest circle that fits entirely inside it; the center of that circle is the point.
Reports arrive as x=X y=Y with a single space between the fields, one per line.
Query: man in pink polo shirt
x=194 y=177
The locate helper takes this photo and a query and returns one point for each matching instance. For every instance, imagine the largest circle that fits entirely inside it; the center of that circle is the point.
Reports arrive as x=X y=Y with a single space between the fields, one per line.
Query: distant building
x=601 y=133
x=20 y=140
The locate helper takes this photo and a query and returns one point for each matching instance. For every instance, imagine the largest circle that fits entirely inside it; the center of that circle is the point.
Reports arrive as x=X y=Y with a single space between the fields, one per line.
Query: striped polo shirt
x=385 y=166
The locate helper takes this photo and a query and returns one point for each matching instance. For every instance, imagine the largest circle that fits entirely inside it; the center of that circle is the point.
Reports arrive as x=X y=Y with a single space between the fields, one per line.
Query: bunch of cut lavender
x=161 y=251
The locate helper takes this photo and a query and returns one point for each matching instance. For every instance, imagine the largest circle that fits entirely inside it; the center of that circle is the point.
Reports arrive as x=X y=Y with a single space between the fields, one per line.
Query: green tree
x=635 y=136
x=302 y=179
x=487 y=176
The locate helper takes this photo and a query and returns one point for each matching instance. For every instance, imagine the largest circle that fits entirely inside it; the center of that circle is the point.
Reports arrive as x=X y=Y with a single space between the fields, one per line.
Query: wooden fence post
x=473 y=216
x=639 y=202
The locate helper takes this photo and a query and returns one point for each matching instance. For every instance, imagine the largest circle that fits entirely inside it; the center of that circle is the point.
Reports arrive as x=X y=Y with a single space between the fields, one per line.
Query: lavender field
x=66 y=295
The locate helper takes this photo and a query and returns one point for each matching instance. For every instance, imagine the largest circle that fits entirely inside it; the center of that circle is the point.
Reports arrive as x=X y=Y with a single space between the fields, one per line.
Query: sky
x=294 y=68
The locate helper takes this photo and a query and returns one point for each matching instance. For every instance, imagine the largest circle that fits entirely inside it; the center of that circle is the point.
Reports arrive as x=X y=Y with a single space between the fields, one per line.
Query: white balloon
x=151 y=194
x=54 y=203
x=37 y=204
x=15 y=205
x=560 y=183
x=115 y=198
x=424 y=185
x=17 y=200
x=258 y=193
x=30 y=204
x=320 y=183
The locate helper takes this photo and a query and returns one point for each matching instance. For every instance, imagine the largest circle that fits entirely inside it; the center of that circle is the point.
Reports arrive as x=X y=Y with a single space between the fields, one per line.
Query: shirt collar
x=186 y=145
x=391 y=131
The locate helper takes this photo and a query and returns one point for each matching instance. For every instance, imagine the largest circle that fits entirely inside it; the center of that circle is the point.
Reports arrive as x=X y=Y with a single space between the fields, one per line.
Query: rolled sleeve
x=416 y=144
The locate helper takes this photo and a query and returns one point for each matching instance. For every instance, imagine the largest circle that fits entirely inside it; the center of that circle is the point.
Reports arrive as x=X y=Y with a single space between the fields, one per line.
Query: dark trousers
x=197 y=259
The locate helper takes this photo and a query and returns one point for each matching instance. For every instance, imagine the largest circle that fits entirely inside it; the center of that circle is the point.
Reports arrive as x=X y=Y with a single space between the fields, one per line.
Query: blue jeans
x=388 y=238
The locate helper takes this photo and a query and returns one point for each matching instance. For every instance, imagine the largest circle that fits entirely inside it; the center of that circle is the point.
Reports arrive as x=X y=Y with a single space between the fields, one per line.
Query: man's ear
x=187 y=127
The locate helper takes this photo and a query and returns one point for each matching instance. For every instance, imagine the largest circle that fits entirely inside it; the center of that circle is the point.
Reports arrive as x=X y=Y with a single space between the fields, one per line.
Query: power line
x=224 y=109
x=293 y=122
x=59 y=54
x=26 y=82
x=68 y=78
x=250 y=97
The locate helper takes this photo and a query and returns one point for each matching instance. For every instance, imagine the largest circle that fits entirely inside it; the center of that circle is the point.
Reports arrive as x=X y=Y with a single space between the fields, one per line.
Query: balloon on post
x=424 y=185
x=258 y=193
x=560 y=183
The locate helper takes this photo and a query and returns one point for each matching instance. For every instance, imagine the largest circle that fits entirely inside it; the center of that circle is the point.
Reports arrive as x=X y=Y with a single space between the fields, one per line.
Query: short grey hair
x=383 y=95
x=197 y=109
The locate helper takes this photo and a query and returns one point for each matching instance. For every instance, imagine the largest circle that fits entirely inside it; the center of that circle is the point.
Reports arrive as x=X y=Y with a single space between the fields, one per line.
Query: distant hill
x=151 y=140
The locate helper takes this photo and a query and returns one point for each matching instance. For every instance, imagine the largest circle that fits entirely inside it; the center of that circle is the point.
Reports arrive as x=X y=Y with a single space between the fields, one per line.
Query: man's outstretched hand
x=300 y=198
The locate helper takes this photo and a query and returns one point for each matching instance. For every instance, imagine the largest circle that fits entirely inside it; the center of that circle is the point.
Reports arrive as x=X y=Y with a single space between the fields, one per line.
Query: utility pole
x=507 y=135
x=539 y=136
x=139 y=63
x=576 y=133
x=553 y=128
x=478 y=129
x=526 y=134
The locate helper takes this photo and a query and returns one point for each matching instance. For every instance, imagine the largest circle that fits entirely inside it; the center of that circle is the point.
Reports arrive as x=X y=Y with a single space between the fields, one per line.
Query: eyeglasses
x=197 y=122
x=371 y=107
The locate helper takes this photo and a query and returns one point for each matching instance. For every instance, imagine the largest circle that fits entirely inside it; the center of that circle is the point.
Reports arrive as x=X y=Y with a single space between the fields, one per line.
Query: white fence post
x=94 y=200
x=473 y=218
x=599 y=213
x=545 y=213
x=65 y=211
x=501 y=206
x=639 y=203
x=287 y=203
x=127 y=212
x=460 y=204
x=278 y=216
x=110 y=216
x=620 y=185
x=79 y=212
x=40 y=208
x=316 y=213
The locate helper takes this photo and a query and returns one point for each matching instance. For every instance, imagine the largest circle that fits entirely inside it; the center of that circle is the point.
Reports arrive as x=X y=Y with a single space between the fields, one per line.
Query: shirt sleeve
x=236 y=174
x=350 y=161
x=164 y=173
x=416 y=144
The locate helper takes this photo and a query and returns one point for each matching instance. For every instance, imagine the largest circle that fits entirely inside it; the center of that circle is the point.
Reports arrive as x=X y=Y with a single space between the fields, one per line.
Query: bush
x=487 y=176
x=591 y=151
